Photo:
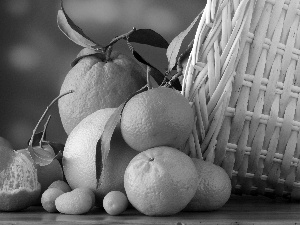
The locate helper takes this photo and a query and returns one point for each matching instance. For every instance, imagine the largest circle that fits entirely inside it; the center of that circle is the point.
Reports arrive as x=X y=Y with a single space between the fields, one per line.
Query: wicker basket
x=243 y=77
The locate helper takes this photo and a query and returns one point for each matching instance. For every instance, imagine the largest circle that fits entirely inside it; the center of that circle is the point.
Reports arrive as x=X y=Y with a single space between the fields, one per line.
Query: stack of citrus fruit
x=144 y=162
x=146 y=165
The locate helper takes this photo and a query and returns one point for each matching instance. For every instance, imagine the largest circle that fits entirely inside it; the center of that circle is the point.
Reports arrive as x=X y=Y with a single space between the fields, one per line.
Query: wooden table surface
x=238 y=210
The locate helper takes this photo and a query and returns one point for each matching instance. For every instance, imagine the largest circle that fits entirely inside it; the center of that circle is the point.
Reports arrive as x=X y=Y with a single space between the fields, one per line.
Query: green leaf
x=175 y=45
x=88 y=52
x=42 y=151
x=103 y=144
x=58 y=148
x=72 y=31
x=38 y=151
x=40 y=156
x=155 y=73
x=102 y=151
x=149 y=37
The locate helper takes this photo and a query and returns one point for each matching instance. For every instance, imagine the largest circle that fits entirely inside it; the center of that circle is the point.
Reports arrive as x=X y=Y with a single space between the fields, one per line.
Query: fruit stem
x=44 y=131
x=183 y=56
x=44 y=114
x=179 y=68
x=108 y=53
x=149 y=84
x=122 y=36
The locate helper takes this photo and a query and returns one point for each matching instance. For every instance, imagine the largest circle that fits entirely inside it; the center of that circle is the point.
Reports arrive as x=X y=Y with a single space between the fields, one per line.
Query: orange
x=79 y=156
x=61 y=185
x=49 y=173
x=160 y=181
x=48 y=199
x=115 y=202
x=19 y=186
x=89 y=191
x=157 y=117
x=214 y=187
x=78 y=201
x=5 y=142
x=97 y=85
x=54 y=190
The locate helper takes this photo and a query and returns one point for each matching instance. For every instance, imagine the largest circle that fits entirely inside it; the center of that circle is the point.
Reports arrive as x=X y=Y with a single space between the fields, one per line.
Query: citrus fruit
x=160 y=181
x=89 y=191
x=48 y=199
x=46 y=174
x=74 y=202
x=61 y=185
x=214 y=187
x=98 y=84
x=49 y=173
x=5 y=142
x=157 y=117
x=115 y=202
x=19 y=186
x=79 y=156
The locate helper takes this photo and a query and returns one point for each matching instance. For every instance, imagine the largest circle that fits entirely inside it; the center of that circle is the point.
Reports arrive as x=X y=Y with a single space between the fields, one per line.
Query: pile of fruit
x=128 y=131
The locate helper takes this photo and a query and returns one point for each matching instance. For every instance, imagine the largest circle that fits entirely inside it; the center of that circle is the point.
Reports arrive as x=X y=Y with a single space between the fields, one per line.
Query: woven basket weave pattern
x=243 y=76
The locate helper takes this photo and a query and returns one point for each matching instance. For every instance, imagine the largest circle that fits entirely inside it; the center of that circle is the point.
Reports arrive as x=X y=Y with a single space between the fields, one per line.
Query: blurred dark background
x=36 y=56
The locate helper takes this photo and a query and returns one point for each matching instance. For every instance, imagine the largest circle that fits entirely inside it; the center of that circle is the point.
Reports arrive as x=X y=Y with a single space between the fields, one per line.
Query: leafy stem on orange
x=122 y=36
x=44 y=114
x=149 y=84
x=44 y=131
x=104 y=141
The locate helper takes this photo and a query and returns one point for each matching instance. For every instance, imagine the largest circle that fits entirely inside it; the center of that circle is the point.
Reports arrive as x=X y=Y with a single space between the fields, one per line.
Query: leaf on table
x=71 y=30
x=149 y=37
x=174 y=47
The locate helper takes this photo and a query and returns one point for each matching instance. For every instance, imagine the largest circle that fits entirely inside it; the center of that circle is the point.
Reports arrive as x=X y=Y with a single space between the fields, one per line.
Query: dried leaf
x=149 y=37
x=71 y=30
x=175 y=45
